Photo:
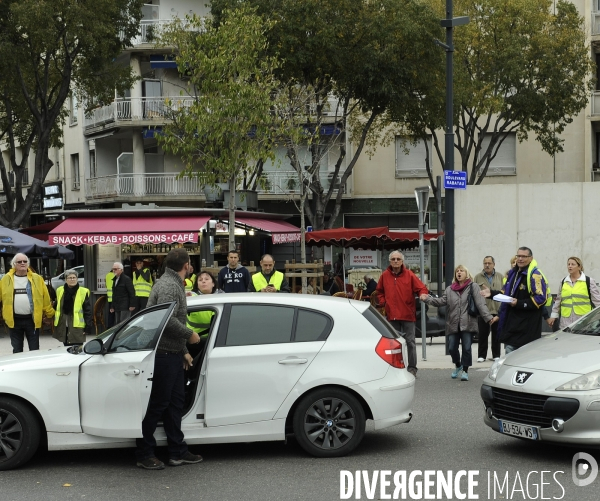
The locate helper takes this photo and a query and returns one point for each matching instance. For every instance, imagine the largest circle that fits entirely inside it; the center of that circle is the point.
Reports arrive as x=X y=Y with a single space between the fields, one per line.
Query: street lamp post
x=422 y=196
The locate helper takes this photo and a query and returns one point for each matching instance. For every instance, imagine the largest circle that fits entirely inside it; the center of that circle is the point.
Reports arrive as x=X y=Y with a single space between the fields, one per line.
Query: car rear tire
x=329 y=422
x=20 y=433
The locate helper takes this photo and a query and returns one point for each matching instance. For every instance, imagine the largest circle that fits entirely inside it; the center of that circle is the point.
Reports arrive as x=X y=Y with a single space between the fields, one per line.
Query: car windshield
x=588 y=325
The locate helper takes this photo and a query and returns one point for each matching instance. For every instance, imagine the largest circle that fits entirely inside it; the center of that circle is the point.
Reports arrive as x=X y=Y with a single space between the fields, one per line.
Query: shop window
x=410 y=158
x=75 y=171
x=505 y=161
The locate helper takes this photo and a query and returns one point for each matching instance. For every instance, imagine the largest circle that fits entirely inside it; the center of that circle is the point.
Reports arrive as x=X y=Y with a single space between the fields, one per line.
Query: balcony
x=143 y=185
x=153 y=110
x=286 y=182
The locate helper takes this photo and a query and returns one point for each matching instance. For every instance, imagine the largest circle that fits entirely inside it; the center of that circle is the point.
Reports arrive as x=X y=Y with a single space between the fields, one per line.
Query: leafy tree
x=230 y=126
x=49 y=48
x=519 y=68
x=366 y=55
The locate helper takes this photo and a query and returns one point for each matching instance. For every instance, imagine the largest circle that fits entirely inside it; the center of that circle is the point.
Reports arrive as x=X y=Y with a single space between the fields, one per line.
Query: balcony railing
x=140 y=108
x=128 y=185
x=286 y=182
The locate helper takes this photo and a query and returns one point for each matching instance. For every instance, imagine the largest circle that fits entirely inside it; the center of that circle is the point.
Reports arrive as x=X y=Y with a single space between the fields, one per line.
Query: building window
x=93 y=172
x=410 y=158
x=505 y=161
x=75 y=170
x=73 y=109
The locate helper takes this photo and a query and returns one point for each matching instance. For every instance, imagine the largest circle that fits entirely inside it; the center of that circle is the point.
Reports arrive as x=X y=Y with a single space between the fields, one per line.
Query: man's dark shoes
x=188 y=458
x=151 y=464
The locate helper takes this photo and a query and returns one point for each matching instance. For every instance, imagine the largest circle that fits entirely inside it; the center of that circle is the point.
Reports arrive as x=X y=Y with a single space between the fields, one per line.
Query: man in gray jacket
x=167 y=396
x=491 y=279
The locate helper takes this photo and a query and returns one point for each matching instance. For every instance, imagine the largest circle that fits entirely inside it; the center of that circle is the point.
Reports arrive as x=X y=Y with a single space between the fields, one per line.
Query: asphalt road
x=446 y=433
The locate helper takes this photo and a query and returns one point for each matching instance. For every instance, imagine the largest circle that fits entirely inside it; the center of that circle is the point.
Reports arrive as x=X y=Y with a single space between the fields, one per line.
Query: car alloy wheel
x=19 y=433
x=329 y=422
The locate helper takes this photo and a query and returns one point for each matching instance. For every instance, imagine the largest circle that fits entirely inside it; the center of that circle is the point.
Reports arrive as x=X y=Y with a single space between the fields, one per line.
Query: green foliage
x=48 y=48
x=518 y=68
x=230 y=124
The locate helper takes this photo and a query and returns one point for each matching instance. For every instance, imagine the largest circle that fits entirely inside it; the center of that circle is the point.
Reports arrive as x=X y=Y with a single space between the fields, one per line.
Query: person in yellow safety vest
x=268 y=279
x=190 y=281
x=578 y=295
x=142 y=283
x=110 y=277
x=199 y=321
x=73 y=318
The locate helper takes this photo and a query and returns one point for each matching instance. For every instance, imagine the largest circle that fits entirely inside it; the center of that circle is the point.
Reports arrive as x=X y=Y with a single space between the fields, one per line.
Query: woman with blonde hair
x=460 y=326
x=578 y=295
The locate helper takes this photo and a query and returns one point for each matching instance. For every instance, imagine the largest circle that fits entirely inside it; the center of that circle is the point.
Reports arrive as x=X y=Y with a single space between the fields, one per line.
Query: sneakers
x=188 y=458
x=413 y=371
x=151 y=464
x=480 y=359
x=496 y=359
x=456 y=372
x=465 y=376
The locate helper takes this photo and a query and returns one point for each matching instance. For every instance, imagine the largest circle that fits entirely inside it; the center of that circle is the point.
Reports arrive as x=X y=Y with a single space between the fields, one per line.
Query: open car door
x=114 y=387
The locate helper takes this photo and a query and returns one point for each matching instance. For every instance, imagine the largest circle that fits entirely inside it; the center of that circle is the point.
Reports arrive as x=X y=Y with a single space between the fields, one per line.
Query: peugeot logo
x=521 y=377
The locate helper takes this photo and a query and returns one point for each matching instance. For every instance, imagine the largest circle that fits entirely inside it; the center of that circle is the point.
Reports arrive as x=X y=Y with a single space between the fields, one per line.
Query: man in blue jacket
x=234 y=277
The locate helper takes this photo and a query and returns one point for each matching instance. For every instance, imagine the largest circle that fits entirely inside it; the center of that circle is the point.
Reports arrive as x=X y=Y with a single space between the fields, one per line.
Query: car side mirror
x=94 y=347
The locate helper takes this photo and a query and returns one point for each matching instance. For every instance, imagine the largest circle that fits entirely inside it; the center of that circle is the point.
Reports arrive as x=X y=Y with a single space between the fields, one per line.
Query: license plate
x=518 y=430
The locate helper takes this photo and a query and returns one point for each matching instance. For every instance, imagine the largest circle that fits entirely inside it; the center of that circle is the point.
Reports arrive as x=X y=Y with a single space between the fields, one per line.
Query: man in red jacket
x=397 y=288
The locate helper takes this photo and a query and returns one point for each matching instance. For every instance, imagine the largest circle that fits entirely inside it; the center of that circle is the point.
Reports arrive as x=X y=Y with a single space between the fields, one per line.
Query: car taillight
x=390 y=350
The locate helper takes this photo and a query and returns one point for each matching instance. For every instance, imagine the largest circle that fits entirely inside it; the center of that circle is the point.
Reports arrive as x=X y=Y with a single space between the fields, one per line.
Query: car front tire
x=329 y=422
x=20 y=433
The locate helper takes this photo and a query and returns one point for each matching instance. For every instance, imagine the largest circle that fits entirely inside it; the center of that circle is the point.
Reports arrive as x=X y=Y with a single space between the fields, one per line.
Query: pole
x=440 y=257
x=422 y=268
x=449 y=141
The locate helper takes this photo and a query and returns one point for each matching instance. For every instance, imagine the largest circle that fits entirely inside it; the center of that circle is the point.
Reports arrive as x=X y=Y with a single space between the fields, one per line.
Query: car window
x=259 y=324
x=140 y=334
x=312 y=326
x=380 y=323
x=588 y=325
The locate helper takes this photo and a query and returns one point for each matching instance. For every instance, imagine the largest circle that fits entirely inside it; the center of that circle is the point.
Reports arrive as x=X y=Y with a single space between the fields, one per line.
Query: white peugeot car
x=274 y=365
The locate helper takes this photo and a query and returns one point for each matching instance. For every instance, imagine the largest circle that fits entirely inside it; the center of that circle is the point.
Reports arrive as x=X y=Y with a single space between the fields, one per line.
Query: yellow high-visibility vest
x=80 y=297
x=141 y=286
x=110 y=277
x=574 y=299
x=260 y=282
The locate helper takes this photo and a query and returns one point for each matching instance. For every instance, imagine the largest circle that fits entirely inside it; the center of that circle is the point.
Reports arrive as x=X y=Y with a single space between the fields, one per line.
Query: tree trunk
x=232 y=187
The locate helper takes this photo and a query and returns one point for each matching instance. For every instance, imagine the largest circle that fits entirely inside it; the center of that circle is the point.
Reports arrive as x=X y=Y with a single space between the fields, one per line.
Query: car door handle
x=293 y=361
x=132 y=372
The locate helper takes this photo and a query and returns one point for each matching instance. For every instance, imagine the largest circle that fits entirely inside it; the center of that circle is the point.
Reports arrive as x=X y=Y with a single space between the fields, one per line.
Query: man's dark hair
x=176 y=259
x=491 y=257
x=233 y=251
x=528 y=250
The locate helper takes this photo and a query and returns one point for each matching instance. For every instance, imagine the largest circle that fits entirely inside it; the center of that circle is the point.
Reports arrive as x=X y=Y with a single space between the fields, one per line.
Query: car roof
x=314 y=301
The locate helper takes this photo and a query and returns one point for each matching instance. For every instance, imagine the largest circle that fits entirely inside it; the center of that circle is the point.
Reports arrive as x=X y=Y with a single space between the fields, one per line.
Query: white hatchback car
x=273 y=365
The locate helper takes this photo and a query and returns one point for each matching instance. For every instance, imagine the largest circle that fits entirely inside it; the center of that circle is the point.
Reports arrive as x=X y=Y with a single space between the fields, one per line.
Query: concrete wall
x=554 y=220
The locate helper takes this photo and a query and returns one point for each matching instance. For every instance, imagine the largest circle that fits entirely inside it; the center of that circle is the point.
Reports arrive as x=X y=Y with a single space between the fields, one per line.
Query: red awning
x=41 y=230
x=367 y=238
x=281 y=231
x=127 y=230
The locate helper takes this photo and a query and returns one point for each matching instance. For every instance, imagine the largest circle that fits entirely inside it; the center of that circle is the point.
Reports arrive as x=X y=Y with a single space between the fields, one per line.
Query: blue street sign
x=455 y=180
x=308 y=228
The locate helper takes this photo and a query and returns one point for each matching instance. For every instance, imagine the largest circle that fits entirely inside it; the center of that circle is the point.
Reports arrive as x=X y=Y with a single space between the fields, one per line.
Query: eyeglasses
x=22 y=262
x=396 y=259
x=115 y=269
x=522 y=257
x=73 y=277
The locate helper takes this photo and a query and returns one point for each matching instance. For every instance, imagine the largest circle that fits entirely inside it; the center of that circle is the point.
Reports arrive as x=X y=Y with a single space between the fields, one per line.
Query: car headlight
x=495 y=368
x=590 y=381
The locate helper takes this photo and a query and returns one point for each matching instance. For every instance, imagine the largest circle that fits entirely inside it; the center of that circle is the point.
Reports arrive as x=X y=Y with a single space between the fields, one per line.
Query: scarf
x=456 y=287
x=69 y=299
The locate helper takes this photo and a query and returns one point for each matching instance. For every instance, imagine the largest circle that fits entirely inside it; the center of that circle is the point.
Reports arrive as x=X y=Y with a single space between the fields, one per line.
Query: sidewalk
x=436 y=356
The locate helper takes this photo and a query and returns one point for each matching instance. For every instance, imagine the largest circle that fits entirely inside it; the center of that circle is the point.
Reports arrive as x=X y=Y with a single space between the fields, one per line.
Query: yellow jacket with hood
x=39 y=293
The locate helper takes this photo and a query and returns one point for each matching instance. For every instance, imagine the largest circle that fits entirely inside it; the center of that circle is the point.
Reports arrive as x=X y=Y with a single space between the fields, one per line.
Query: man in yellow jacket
x=25 y=301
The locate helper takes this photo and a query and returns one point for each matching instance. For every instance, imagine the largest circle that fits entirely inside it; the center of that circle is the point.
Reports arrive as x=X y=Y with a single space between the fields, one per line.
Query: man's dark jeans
x=24 y=328
x=484 y=334
x=466 y=338
x=166 y=401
